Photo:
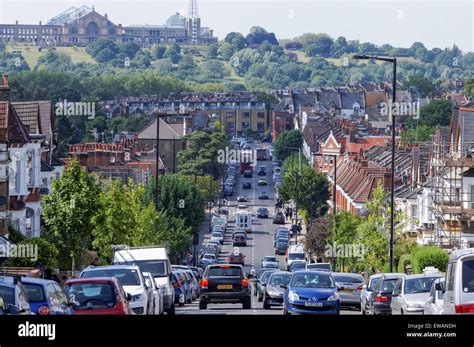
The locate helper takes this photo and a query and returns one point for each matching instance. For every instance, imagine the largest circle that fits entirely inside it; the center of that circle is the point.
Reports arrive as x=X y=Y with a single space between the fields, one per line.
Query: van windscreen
x=157 y=268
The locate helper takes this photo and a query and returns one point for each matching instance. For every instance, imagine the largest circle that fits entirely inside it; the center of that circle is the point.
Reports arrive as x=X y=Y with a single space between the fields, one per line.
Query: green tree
x=469 y=87
x=159 y=51
x=47 y=254
x=173 y=53
x=67 y=213
x=436 y=113
x=418 y=134
x=420 y=86
x=213 y=51
x=287 y=139
x=422 y=257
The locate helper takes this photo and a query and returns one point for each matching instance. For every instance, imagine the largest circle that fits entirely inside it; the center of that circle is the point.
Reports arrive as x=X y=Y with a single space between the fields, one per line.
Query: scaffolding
x=452 y=169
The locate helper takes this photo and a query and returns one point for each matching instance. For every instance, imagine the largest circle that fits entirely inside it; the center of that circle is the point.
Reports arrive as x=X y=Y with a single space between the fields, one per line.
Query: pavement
x=259 y=243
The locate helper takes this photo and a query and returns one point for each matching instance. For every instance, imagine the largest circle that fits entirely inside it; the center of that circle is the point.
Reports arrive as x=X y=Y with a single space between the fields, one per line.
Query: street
x=260 y=241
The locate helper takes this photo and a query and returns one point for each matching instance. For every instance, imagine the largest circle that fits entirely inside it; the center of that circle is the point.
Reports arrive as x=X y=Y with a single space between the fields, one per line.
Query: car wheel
x=202 y=305
x=401 y=312
x=260 y=297
x=266 y=306
x=247 y=304
x=171 y=311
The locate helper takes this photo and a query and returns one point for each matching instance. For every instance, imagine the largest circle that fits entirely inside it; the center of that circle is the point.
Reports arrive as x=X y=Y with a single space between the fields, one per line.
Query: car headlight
x=415 y=306
x=333 y=297
x=293 y=296
x=137 y=297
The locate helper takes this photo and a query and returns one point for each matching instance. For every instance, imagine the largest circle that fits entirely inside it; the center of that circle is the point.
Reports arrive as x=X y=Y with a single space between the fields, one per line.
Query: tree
x=173 y=53
x=130 y=49
x=237 y=40
x=293 y=46
x=258 y=35
x=213 y=51
x=436 y=113
x=469 y=87
x=67 y=213
x=418 y=134
x=319 y=236
x=159 y=51
x=287 y=142
x=213 y=69
x=47 y=254
x=420 y=86
x=226 y=50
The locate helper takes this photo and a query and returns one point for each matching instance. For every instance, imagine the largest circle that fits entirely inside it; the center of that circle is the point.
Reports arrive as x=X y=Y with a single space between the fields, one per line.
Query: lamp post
x=392 y=193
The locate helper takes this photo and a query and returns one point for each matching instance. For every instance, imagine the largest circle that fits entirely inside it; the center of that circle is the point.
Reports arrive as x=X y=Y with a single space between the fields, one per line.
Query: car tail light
x=177 y=285
x=360 y=287
x=204 y=283
x=381 y=298
x=43 y=310
x=245 y=282
x=224 y=267
x=466 y=308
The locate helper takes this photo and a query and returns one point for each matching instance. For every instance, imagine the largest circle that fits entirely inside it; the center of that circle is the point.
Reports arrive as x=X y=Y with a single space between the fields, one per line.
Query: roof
x=10 y=121
x=349 y=99
x=329 y=99
x=35 y=115
x=176 y=20
x=373 y=99
x=166 y=132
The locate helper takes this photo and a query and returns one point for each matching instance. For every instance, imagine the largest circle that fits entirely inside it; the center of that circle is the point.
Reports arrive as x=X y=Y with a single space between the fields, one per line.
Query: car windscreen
x=271 y=259
x=373 y=283
x=312 y=280
x=419 y=285
x=126 y=277
x=34 y=292
x=209 y=256
x=8 y=294
x=216 y=234
x=224 y=272
x=319 y=266
x=157 y=268
x=348 y=279
x=388 y=284
x=91 y=296
x=468 y=276
x=296 y=256
x=278 y=279
x=265 y=276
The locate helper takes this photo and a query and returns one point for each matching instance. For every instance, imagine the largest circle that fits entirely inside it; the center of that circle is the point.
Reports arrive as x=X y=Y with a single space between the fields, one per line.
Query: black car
x=381 y=297
x=239 y=240
x=247 y=185
x=262 y=171
x=279 y=218
x=262 y=212
x=248 y=174
x=263 y=195
x=224 y=283
x=281 y=246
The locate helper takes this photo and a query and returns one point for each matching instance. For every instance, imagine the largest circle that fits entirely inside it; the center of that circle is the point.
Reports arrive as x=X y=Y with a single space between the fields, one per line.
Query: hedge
x=422 y=257
x=404 y=260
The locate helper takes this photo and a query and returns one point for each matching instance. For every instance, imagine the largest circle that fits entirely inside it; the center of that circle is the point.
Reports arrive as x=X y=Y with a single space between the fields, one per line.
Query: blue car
x=311 y=292
x=46 y=297
x=262 y=212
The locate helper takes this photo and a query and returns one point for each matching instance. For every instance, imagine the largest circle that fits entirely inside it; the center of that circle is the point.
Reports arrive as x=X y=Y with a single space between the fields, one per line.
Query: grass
x=31 y=53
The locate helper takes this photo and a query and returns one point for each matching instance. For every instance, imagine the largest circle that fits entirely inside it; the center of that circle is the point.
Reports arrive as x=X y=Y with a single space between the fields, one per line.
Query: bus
x=261 y=154
x=246 y=161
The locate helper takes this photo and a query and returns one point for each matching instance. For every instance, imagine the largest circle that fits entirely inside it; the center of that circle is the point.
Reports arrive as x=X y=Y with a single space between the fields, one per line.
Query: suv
x=224 y=283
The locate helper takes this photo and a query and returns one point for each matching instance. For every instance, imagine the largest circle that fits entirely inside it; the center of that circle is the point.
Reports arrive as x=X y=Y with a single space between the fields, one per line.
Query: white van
x=459 y=288
x=153 y=259
x=243 y=220
x=295 y=253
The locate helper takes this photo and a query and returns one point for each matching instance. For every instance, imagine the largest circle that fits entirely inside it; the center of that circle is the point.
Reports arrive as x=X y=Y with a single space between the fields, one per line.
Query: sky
x=435 y=23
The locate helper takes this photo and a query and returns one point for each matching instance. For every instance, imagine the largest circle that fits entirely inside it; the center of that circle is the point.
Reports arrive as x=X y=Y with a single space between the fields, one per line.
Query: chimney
x=364 y=163
x=352 y=136
x=5 y=89
x=387 y=179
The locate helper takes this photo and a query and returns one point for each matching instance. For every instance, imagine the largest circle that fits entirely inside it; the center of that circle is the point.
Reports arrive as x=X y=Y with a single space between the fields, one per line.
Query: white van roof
x=296 y=249
x=137 y=254
x=461 y=253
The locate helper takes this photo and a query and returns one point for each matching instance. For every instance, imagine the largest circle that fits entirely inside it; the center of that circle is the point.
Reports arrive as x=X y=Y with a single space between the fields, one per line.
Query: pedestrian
x=286 y=215
x=291 y=214
x=299 y=228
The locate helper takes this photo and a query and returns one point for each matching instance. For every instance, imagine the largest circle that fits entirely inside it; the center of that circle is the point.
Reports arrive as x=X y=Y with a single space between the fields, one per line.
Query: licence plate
x=313 y=304
x=224 y=286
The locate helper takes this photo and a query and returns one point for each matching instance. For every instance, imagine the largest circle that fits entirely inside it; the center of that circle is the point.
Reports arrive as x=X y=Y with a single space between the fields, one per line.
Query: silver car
x=367 y=289
x=273 y=293
x=270 y=262
x=435 y=304
x=349 y=286
x=410 y=293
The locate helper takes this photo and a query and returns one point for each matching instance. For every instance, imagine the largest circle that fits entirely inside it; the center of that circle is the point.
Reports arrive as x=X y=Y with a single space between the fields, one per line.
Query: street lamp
x=392 y=193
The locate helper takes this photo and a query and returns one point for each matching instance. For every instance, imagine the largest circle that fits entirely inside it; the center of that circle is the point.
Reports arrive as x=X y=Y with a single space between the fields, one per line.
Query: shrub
x=404 y=260
x=422 y=257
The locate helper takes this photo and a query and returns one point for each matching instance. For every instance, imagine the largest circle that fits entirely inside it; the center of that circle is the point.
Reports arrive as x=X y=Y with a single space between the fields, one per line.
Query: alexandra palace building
x=79 y=26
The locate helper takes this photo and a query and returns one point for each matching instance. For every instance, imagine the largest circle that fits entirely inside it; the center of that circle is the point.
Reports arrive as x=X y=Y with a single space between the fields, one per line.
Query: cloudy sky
x=436 y=23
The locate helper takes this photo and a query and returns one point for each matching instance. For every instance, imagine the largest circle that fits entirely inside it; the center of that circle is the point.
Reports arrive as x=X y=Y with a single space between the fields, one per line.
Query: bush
x=404 y=260
x=47 y=254
x=422 y=257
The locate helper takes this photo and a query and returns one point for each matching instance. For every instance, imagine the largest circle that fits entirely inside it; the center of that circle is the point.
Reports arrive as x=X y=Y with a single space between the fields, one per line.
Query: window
x=246 y=114
x=229 y=114
x=245 y=125
x=261 y=115
x=414 y=211
x=260 y=127
x=468 y=276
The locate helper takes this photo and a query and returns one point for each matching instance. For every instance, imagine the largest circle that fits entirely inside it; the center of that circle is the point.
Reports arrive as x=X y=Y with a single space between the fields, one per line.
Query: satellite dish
x=112 y=160
x=18 y=205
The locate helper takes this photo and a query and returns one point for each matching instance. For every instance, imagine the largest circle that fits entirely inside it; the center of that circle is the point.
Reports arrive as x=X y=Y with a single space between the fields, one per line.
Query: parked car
x=270 y=261
x=262 y=182
x=435 y=302
x=208 y=259
x=157 y=294
x=263 y=195
x=262 y=171
x=180 y=290
x=281 y=246
x=242 y=198
x=132 y=281
x=218 y=228
x=311 y=292
x=459 y=288
x=214 y=243
x=246 y=185
x=381 y=296
x=14 y=295
x=192 y=280
x=319 y=266
x=273 y=292
x=217 y=236
x=226 y=283
x=410 y=294
x=349 y=287
x=262 y=282
x=248 y=173
x=297 y=266
x=367 y=289
x=236 y=258
x=262 y=212
x=279 y=218
x=46 y=297
x=98 y=296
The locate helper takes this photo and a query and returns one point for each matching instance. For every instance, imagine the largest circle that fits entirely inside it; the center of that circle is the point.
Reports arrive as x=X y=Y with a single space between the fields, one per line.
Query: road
x=259 y=244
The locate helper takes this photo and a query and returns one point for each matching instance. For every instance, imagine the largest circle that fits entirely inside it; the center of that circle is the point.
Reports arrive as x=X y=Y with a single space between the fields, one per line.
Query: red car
x=98 y=296
x=237 y=259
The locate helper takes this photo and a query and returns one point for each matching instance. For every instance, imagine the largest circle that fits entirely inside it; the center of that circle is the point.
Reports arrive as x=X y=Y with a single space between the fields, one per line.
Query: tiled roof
x=349 y=99
x=327 y=98
x=10 y=122
x=35 y=115
x=373 y=99
x=166 y=132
